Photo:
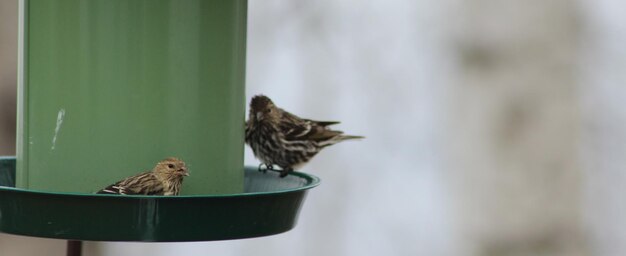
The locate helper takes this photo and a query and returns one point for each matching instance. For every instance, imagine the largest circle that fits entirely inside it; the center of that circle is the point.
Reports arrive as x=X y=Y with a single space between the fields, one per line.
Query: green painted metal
x=270 y=205
x=110 y=87
x=7 y=171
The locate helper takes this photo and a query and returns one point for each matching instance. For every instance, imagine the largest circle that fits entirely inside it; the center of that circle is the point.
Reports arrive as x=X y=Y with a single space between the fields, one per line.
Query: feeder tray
x=269 y=205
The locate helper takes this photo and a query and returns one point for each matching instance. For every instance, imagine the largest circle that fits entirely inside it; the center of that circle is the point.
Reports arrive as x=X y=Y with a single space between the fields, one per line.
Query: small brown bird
x=278 y=137
x=165 y=179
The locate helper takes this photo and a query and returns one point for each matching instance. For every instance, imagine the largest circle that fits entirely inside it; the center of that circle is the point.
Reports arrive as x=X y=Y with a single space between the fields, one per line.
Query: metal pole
x=74 y=248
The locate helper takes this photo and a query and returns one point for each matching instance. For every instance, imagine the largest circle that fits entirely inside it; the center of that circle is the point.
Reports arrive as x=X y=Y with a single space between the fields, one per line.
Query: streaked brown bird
x=280 y=138
x=165 y=179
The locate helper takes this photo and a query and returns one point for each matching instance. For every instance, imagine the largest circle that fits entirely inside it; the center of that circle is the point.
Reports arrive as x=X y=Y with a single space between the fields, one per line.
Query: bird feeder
x=106 y=88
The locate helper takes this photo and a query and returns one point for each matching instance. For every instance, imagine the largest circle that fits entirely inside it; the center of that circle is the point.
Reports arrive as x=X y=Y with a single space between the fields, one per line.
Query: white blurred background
x=493 y=127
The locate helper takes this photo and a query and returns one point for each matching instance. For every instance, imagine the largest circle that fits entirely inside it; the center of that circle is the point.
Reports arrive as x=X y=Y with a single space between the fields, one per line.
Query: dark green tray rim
x=269 y=206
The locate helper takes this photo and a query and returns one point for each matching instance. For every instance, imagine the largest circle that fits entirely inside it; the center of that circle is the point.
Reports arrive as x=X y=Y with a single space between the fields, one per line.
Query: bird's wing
x=113 y=189
x=322 y=123
x=296 y=128
x=289 y=117
x=141 y=184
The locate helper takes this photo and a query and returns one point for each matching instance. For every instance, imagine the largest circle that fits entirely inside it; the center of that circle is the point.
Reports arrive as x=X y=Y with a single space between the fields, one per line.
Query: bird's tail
x=339 y=138
x=350 y=137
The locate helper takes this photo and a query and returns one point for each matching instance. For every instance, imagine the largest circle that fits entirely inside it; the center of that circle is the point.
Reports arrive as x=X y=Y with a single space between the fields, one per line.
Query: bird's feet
x=285 y=172
x=267 y=167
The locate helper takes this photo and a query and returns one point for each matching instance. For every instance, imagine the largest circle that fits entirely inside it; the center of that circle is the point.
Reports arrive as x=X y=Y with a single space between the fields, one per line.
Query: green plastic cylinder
x=107 y=88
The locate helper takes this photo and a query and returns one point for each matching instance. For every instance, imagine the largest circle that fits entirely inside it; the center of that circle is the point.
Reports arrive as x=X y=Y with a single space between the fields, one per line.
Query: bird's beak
x=184 y=171
x=259 y=115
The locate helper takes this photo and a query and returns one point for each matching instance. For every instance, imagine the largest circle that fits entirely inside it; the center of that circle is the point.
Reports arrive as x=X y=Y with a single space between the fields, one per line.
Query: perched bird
x=165 y=179
x=280 y=138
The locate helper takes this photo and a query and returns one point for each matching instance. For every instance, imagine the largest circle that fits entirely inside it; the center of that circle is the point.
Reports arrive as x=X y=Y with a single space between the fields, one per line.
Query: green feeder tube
x=107 y=88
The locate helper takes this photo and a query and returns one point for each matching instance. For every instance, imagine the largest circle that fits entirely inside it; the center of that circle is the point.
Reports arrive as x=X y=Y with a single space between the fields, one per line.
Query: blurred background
x=493 y=127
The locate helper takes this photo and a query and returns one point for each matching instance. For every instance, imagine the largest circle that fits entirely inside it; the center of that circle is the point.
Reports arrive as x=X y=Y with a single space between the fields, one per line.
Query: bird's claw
x=267 y=167
x=285 y=172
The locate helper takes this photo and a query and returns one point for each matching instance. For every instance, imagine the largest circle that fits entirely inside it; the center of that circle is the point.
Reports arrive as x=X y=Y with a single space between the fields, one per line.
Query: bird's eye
x=170 y=165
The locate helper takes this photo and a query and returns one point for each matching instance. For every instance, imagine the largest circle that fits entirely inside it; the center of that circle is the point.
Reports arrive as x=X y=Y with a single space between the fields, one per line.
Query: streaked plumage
x=165 y=179
x=280 y=138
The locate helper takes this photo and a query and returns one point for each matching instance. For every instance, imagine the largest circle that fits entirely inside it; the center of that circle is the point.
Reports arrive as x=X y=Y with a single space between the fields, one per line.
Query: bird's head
x=263 y=109
x=172 y=167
